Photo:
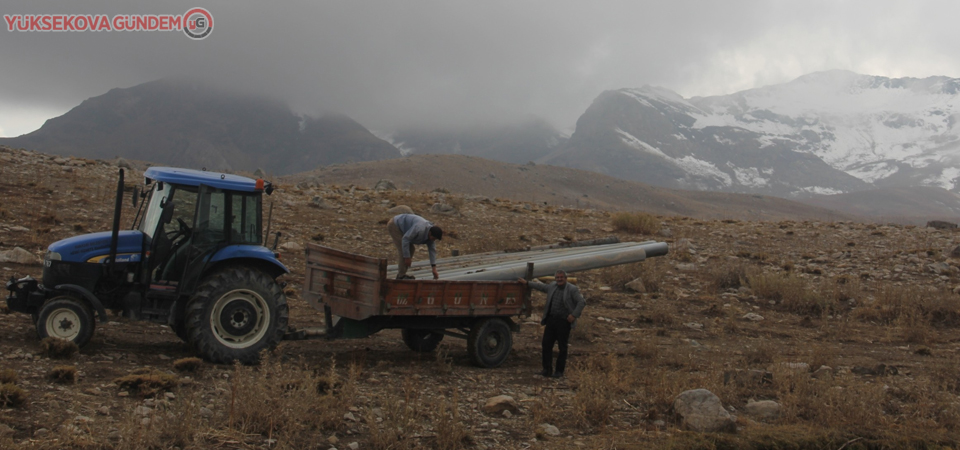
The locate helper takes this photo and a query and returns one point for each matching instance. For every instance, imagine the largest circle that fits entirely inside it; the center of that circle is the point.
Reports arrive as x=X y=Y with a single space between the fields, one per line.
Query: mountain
x=518 y=144
x=824 y=133
x=190 y=124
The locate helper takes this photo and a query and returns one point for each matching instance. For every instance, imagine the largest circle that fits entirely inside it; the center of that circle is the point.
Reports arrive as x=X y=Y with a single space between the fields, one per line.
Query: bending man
x=408 y=230
x=564 y=305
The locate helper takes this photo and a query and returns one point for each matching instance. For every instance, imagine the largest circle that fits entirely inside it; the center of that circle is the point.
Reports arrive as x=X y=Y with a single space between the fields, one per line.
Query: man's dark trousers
x=556 y=332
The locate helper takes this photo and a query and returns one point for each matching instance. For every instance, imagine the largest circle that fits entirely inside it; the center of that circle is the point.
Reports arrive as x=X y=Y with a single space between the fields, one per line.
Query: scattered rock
x=349 y=416
x=549 y=430
x=763 y=409
x=500 y=403
x=636 y=286
x=443 y=208
x=385 y=185
x=319 y=202
x=206 y=413
x=259 y=173
x=941 y=225
x=5 y=430
x=823 y=373
x=353 y=445
x=754 y=317
x=291 y=246
x=701 y=410
x=400 y=209
x=19 y=256
x=122 y=163
x=665 y=232
x=747 y=378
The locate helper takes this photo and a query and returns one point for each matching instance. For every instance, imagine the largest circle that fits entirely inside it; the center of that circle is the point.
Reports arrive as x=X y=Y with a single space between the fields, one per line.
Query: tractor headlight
x=51 y=256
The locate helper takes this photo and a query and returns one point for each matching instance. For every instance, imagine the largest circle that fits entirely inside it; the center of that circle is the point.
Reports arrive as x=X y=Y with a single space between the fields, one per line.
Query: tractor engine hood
x=95 y=247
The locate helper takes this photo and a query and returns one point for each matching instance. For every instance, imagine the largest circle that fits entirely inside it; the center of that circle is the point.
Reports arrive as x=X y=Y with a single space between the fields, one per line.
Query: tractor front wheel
x=235 y=314
x=68 y=318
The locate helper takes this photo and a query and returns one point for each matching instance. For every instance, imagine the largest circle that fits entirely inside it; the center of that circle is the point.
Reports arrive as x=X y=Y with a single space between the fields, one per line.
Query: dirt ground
x=851 y=328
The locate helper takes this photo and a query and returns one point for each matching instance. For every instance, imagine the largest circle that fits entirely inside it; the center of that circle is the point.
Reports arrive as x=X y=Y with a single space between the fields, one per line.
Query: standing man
x=564 y=305
x=408 y=230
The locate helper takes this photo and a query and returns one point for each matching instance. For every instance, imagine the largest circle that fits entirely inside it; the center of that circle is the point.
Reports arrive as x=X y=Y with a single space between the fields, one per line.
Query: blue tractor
x=194 y=259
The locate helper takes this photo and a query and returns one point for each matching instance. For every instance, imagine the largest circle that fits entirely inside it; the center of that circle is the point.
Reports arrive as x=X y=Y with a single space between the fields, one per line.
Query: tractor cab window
x=184 y=200
x=211 y=216
x=245 y=218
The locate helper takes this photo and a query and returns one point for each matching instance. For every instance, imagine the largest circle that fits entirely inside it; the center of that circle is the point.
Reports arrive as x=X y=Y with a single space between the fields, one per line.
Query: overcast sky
x=449 y=63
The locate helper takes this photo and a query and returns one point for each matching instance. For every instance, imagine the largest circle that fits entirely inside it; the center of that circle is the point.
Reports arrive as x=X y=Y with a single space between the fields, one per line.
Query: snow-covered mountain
x=823 y=133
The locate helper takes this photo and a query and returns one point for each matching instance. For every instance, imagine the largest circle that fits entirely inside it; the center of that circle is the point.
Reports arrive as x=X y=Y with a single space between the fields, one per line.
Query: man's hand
x=407 y=262
x=570 y=318
x=436 y=275
x=522 y=280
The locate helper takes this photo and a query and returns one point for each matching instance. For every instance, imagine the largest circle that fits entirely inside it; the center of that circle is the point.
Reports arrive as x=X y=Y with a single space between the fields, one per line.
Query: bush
x=57 y=348
x=8 y=376
x=12 y=396
x=63 y=374
x=148 y=382
x=188 y=364
x=639 y=223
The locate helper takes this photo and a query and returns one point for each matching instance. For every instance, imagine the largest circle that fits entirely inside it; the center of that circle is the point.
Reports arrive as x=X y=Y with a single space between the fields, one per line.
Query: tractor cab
x=191 y=214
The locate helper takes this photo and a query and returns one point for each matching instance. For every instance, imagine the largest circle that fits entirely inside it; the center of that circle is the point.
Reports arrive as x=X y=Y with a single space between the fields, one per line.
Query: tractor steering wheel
x=184 y=230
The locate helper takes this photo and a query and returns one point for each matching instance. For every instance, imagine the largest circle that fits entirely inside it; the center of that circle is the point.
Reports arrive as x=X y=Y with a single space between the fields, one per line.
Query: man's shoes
x=406 y=277
x=557 y=375
x=546 y=374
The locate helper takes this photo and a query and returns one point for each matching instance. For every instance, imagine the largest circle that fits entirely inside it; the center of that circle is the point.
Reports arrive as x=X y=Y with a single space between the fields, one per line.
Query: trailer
x=476 y=298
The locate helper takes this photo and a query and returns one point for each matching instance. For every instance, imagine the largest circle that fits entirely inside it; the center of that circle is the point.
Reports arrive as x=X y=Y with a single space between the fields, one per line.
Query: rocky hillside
x=824 y=133
x=190 y=124
x=785 y=334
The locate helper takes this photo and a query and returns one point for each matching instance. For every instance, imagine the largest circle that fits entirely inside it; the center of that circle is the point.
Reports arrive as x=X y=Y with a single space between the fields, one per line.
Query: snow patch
x=689 y=164
x=818 y=190
x=750 y=177
x=947 y=178
x=875 y=171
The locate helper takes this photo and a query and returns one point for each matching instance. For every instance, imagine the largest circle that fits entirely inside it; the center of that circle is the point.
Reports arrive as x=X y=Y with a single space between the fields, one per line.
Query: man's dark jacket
x=572 y=298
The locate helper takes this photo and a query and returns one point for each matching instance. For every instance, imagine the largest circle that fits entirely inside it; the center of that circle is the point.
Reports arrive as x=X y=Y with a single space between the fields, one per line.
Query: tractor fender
x=94 y=301
x=241 y=252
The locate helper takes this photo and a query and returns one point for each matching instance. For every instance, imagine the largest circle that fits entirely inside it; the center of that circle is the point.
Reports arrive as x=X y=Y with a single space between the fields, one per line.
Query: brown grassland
x=876 y=304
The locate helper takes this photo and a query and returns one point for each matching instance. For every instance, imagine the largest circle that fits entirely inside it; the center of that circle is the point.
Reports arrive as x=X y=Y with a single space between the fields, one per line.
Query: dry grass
x=188 y=364
x=727 y=275
x=57 y=348
x=12 y=396
x=452 y=433
x=8 y=376
x=288 y=402
x=63 y=374
x=637 y=223
x=147 y=382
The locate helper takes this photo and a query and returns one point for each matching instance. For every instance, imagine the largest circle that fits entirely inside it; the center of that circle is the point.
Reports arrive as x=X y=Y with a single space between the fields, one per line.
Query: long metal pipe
x=488 y=258
x=549 y=262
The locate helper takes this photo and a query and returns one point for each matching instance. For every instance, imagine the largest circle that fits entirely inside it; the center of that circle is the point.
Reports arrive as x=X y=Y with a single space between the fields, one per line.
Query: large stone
x=549 y=430
x=763 y=409
x=941 y=225
x=701 y=410
x=291 y=246
x=636 y=286
x=18 y=256
x=260 y=173
x=443 y=208
x=122 y=163
x=385 y=185
x=400 y=209
x=499 y=404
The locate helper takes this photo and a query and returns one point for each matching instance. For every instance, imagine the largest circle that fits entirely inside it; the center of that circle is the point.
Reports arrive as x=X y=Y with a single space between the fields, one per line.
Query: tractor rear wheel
x=423 y=341
x=489 y=342
x=68 y=318
x=235 y=314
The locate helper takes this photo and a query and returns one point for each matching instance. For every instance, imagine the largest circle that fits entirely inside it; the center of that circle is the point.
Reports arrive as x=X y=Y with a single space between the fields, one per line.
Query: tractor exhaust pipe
x=115 y=237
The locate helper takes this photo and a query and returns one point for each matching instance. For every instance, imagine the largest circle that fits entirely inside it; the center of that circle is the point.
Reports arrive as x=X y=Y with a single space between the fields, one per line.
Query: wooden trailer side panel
x=454 y=298
x=348 y=283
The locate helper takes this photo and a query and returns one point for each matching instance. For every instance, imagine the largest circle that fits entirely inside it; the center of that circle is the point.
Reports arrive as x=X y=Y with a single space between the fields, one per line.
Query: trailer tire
x=68 y=318
x=235 y=314
x=423 y=341
x=489 y=342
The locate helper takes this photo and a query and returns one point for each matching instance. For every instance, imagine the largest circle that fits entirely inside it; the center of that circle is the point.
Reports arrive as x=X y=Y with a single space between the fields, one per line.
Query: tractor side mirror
x=167 y=215
x=136 y=195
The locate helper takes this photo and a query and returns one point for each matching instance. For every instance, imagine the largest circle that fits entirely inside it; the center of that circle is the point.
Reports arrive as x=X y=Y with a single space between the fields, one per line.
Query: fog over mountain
x=823 y=133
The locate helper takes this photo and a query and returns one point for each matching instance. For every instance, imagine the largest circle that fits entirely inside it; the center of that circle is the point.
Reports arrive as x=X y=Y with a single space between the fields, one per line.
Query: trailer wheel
x=489 y=342
x=235 y=314
x=67 y=318
x=423 y=341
